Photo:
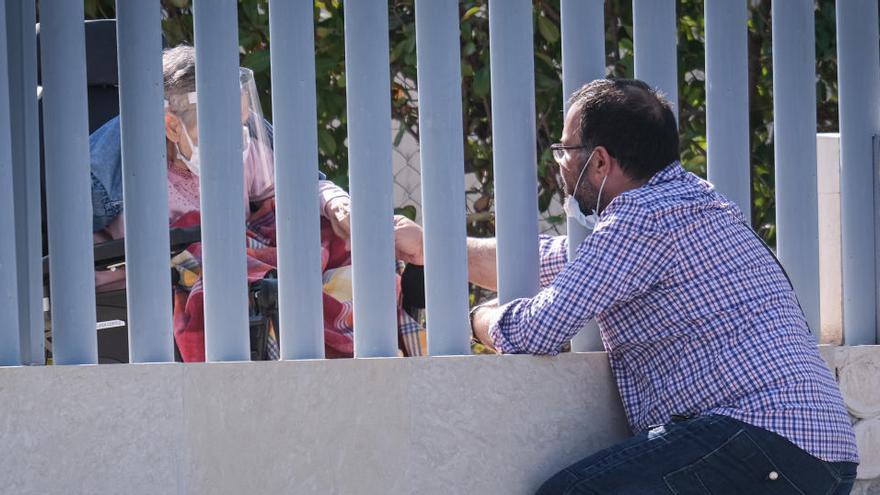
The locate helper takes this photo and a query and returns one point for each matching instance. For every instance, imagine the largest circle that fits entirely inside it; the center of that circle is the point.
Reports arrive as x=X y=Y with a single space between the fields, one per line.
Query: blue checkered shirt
x=695 y=313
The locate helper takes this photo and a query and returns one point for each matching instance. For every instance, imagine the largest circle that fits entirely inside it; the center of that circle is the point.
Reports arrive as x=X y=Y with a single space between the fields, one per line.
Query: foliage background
x=254 y=43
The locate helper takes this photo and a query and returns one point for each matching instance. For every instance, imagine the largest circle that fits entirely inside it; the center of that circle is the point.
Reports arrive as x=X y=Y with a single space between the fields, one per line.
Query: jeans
x=704 y=455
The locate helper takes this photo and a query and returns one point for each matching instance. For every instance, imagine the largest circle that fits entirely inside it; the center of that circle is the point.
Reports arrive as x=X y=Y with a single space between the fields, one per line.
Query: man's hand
x=338 y=212
x=408 y=241
x=483 y=317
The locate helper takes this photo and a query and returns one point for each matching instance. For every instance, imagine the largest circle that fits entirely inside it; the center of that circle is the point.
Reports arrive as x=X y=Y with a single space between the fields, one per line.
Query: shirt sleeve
x=553 y=255
x=328 y=191
x=618 y=262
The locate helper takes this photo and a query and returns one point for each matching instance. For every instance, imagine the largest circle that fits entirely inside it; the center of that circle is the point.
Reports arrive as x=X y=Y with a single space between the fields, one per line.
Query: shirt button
x=773 y=476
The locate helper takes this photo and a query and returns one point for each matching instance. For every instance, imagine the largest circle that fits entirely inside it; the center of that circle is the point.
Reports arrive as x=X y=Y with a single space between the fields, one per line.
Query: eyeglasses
x=560 y=150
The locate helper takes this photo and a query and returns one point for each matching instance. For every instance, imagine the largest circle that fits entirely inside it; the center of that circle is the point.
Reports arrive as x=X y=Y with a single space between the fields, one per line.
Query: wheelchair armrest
x=113 y=252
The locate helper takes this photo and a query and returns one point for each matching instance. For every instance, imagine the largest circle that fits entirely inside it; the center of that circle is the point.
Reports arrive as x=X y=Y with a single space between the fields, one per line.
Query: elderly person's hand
x=408 y=241
x=338 y=212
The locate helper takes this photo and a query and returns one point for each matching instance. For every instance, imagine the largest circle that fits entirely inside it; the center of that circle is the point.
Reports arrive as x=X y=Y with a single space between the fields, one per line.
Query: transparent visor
x=256 y=136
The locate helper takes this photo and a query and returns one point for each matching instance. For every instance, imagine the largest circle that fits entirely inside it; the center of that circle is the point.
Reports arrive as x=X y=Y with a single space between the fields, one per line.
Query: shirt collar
x=672 y=171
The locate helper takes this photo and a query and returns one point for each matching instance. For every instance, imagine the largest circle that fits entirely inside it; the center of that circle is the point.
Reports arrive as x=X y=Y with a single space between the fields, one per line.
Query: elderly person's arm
x=336 y=208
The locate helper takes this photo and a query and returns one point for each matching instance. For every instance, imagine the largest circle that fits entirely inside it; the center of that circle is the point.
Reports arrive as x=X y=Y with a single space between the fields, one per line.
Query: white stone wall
x=857 y=370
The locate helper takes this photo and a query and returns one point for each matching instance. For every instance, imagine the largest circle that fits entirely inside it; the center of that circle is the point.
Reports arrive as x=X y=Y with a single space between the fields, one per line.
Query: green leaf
x=548 y=30
x=409 y=211
x=257 y=61
x=326 y=142
x=470 y=12
x=399 y=136
x=482 y=82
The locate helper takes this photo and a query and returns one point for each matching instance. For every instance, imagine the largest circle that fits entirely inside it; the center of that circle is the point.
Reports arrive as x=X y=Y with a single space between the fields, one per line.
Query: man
x=719 y=375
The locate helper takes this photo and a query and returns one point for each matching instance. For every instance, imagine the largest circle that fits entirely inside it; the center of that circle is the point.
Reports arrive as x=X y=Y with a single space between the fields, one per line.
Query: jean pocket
x=738 y=466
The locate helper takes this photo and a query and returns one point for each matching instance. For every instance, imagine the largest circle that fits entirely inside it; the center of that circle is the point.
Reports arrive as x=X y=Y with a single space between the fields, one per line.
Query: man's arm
x=613 y=264
x=482 y=267
x=481 y=253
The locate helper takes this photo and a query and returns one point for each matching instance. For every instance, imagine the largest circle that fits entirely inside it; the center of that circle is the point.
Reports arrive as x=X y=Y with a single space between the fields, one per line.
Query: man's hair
x=632 y=121
x=179 y=78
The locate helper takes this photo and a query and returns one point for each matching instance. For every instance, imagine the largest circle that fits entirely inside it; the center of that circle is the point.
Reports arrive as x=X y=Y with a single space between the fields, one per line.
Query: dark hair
x=632 y=121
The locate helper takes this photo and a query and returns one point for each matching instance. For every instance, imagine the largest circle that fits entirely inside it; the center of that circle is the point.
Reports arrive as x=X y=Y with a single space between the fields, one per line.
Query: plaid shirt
x=695 y=313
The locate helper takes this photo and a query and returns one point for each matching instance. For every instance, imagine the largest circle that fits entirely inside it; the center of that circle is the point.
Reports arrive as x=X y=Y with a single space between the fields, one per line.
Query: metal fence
x=368 y=87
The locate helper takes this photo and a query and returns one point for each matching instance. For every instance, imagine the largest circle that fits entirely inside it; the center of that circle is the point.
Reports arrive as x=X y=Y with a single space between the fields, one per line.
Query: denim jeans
x=705 y=455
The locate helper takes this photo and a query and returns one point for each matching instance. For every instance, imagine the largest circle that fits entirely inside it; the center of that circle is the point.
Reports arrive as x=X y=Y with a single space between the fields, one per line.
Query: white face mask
x=572 y=207
x=192 y=163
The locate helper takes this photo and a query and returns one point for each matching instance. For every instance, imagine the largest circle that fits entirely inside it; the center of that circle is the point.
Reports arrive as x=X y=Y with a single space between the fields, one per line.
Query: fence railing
x=368 y=104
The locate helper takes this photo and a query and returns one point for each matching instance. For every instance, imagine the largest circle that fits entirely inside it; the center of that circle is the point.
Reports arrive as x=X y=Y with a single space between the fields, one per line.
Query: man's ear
x=172 y=127
x=602 y=161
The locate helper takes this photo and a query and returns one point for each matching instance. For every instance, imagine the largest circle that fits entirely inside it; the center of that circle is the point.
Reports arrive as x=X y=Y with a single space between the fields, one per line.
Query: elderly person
x=719 y=375
x=182 y=139
x=182 y=154
x=184 y=168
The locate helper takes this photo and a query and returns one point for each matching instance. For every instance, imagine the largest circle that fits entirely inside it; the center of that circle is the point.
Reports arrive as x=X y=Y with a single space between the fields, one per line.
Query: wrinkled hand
x=408 y=241
x=338 y=212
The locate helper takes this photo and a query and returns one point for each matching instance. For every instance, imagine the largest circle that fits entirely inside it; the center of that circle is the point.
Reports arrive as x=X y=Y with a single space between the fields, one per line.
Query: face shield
x=256 y=137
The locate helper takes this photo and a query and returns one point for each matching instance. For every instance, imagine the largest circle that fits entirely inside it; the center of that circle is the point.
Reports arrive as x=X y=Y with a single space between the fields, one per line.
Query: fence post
x=513 y=147
x=68 y=187
x=144 y=181
x=10 y=347
x=368 y=90
x=727 y=101
x=442 y=161
x=794 y=110
x=583 y=60
x=655 y=39
x=858 y=69
x=294 y=110
x=20 y=20
x=222 y=184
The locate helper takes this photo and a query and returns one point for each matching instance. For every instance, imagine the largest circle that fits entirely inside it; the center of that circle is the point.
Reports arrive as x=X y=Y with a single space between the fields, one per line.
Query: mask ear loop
x=599 y=198
x=581 y=176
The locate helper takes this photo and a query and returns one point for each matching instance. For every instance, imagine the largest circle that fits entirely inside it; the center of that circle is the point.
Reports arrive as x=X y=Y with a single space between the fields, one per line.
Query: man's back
x=720 y=330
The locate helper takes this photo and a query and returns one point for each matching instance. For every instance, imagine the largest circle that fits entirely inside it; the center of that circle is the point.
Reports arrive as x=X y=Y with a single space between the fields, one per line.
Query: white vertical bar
x=144 y=181
x=368 y=90
x=513 y=147
x=20 y=19
x=221 y=183
x=442 y=159
x=294 y=108
x=583 y=60
x=10 y=347
x=727 y=101
x=858 y=69
x=794 y=130
x=68 y=188
x=655 y=39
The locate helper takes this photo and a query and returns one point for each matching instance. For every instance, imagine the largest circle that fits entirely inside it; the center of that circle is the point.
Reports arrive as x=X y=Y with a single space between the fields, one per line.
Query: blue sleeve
x=105 y=156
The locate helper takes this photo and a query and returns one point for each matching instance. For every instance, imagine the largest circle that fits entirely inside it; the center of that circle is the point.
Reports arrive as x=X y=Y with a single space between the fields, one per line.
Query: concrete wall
x=471 y=424
x=474 y=424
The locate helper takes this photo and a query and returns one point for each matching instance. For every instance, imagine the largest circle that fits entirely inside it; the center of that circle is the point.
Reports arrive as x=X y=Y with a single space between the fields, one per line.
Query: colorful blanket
x=189 y=329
